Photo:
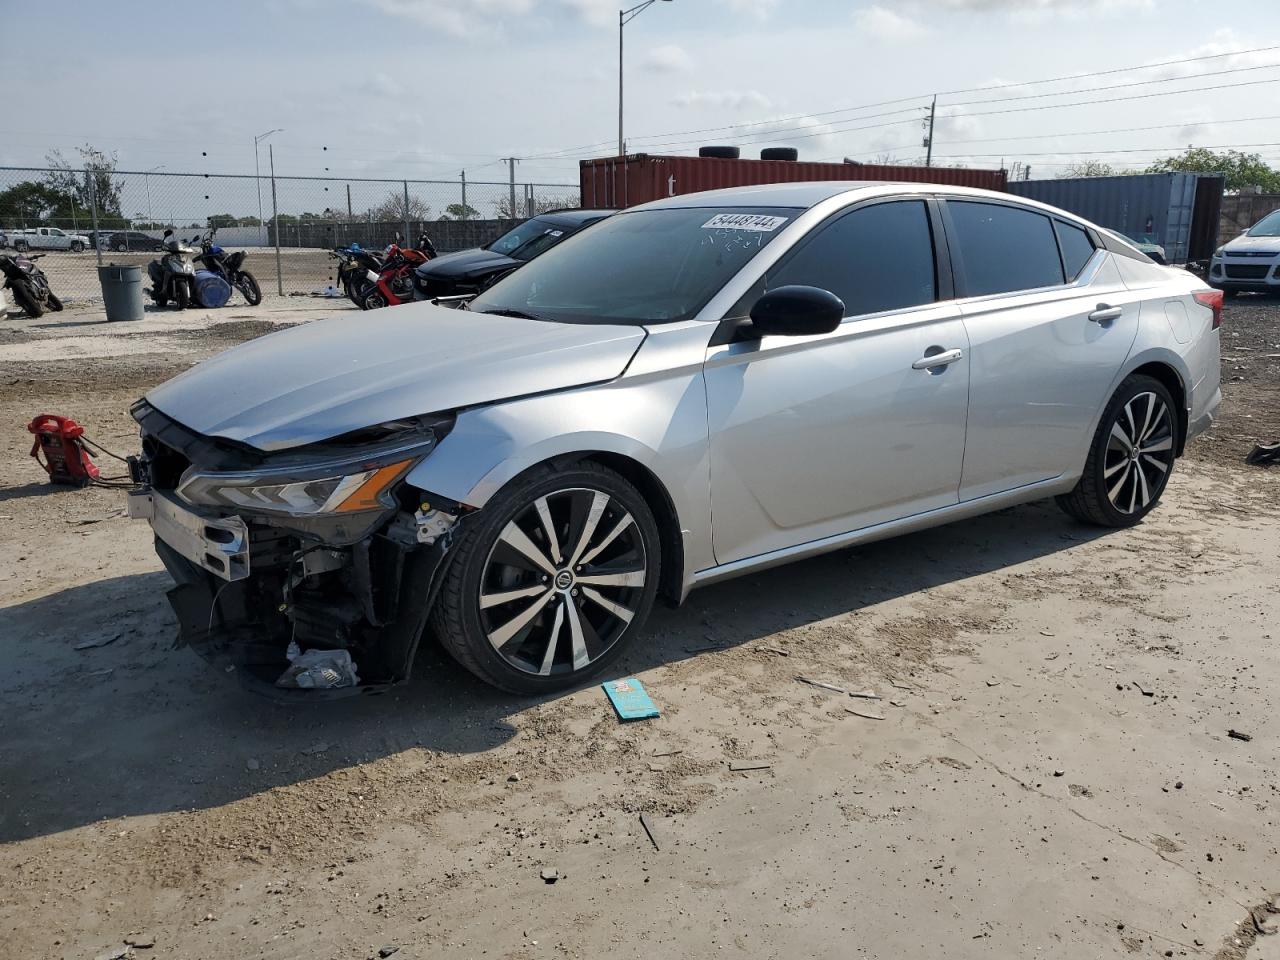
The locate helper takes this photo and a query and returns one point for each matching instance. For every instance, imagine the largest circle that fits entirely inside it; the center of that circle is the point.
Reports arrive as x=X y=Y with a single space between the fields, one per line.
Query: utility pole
x=511 y=168
x=625 y=17
x=257 y=176
x=275 y=216
x=928 y=140
x=464 y=195
x=406 y=213
x=349 y=215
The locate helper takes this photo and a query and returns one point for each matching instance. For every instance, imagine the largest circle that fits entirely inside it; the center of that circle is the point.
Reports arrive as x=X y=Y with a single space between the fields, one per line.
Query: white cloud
x=723 y=100
x=1043 y=6
x=885 y=24
x=459 y=18
x=599 y=12
x=759 y=9
x=667 y=59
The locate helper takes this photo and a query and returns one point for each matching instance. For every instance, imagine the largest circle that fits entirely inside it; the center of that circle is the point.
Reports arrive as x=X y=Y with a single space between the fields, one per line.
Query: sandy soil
x=1052 y=774
x=74 y=276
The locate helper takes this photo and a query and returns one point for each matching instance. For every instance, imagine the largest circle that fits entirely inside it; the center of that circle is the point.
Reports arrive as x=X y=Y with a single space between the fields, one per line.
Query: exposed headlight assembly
x=350 y=485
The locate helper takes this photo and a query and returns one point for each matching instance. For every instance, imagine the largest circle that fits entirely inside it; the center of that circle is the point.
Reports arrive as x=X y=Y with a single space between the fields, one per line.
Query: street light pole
x=257 y=175
x=625 y=17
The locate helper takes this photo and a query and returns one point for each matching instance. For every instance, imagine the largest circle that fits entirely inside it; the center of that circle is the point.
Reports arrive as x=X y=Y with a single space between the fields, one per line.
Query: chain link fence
x=81 y=218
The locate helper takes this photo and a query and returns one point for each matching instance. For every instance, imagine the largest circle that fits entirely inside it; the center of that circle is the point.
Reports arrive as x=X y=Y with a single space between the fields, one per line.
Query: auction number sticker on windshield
x=755 y=222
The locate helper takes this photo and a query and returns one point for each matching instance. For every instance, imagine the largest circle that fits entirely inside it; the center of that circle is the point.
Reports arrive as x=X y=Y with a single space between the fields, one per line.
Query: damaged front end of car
x=307 y=572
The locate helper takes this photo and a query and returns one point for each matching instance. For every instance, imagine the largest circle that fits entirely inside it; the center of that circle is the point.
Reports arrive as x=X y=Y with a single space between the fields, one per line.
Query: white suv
x=1251 y=261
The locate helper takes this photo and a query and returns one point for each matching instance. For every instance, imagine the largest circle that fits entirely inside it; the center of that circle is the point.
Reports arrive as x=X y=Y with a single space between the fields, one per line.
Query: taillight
x=1213 y=300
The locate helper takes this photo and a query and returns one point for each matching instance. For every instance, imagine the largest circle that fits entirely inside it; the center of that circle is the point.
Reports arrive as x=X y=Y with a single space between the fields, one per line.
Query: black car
x=470 y=271
x=124 y=240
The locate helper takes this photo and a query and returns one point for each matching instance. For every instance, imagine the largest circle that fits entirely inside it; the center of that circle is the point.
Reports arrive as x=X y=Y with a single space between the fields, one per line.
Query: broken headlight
x=304 y=488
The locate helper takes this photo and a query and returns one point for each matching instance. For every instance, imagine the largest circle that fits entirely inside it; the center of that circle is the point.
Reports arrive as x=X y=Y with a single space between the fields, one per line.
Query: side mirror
x=796 y=311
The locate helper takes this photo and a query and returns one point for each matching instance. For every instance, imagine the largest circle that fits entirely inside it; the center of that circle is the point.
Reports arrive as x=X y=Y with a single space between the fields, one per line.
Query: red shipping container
x=617 y=182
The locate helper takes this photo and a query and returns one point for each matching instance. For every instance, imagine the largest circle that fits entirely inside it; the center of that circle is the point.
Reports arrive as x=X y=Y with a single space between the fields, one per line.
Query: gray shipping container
x=1179 y=211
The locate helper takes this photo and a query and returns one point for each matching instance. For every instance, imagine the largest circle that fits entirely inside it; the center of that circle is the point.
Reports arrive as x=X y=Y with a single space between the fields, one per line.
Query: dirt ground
x=74 y=276
x=1049 y=770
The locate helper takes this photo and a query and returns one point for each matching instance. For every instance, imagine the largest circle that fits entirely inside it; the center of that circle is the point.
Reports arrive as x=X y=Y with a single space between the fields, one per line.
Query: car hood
x=329 y=377
x=1253 y=245
x=466 y=263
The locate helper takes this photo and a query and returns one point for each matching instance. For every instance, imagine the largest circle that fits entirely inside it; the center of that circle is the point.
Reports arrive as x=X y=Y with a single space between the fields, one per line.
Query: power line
x=1096 y=153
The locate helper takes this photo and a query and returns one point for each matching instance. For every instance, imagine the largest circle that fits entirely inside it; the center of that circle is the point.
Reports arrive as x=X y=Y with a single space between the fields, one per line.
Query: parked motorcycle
x=228 y=266
x=395 y=281
x=173 y=275
x=358 y=270
x=29 y=284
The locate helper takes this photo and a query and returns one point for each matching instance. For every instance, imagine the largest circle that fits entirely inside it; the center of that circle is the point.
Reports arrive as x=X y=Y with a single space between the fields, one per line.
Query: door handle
x=941 y=359
x=1105 y=313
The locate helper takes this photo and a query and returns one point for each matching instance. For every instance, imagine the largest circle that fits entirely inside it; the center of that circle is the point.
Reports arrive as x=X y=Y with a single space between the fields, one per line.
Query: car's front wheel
x=553 y=581
x=1130 y=458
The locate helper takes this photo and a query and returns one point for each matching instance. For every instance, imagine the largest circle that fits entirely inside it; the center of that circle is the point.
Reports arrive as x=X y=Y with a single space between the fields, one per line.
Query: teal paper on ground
x=629 y=699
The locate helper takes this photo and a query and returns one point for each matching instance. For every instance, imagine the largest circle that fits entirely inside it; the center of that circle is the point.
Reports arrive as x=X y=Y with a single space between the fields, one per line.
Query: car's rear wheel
x=1130 y=458
x=553 y=581
x=21 y=246
x=77 y=246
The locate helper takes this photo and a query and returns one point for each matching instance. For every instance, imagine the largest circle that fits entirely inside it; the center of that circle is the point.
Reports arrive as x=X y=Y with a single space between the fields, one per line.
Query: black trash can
x=121 y=291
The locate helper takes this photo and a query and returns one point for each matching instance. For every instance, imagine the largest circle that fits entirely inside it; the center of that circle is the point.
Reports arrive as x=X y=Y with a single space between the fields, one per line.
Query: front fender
x=660 y=422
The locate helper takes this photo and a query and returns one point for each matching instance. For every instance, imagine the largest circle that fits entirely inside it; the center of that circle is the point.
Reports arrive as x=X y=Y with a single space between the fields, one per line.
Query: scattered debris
x=825 y=686
x=898 y=703
x=1079 y=790
x=629 y=699
x=666 y=753
x=864 y=713
x=993 y=683
x=252 y=764
x=1059 y=773
x=549 y=875
x=315 y=748
x=648 y=828
x=899 y=686
x=116 y=953
x=99 y=640
x=1052 y=656
x=1264 y=454
x=88 y=521
x=865 y=695
x=1047 y=633
x=319 y=669
x=1237 y=735
x=749 y=765
x=388 y=950
x=513 y=778
x=776 y=650
x=1146 y=693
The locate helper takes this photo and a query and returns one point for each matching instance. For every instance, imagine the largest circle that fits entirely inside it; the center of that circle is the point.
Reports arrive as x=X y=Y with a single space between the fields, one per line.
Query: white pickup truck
x=46 y=238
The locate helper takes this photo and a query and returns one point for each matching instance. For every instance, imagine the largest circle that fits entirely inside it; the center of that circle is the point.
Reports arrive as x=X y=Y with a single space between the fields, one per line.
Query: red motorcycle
x=395 y=280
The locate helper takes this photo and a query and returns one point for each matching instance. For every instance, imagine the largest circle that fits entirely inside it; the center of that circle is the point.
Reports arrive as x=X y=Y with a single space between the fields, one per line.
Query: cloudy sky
x=426 y=88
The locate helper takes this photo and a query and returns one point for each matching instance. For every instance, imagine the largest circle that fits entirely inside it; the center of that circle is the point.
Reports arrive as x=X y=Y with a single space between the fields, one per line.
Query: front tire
x=553 y=582
x=77 y=247
x=53 y=303
x=1130 y=458
x=373 y=300
x=181 y=295
x=23 y=298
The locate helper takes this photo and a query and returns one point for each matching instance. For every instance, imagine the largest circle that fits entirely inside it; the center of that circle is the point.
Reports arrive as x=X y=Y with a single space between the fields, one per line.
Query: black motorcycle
x=229 y=266
x=358 y=270
x=29 y=284
x=173 y=276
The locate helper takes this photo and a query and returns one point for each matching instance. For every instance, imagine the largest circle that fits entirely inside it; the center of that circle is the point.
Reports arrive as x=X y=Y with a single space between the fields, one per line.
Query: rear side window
x=1077 y=248
x=1004 y=248
x=874 y=259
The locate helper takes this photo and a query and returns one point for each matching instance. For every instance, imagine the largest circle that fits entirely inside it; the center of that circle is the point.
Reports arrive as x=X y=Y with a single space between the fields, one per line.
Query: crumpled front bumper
x=245 y=590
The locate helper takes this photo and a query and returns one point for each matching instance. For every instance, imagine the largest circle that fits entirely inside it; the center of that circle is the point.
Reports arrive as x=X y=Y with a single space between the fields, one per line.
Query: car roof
x=811 y=193
x=574 y=216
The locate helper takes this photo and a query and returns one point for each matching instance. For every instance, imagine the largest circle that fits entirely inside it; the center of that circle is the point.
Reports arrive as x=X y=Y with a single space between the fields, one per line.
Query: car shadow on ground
x=135 y=727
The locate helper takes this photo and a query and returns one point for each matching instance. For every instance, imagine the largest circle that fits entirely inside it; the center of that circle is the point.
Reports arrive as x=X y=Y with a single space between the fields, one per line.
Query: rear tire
x=575 y=599
x=21 y=246
x=1130 y=458
x=247 y=284
x=23 y=298
x=77 y=246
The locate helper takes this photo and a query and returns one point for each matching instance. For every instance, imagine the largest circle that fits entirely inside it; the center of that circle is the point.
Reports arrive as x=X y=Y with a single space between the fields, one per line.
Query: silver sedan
x=690 y=390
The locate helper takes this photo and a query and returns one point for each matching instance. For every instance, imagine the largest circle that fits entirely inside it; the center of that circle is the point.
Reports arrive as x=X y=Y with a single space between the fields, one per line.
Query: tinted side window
x=1077 y=248
x=877 y=258
x=1004 y=248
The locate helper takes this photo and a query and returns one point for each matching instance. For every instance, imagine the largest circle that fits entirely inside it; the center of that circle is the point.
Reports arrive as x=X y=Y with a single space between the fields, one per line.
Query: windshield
x=1268 y=226
x=528 y=240
x=651 y=266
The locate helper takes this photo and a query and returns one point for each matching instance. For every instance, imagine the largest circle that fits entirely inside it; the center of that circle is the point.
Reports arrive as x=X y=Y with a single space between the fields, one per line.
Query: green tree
x=460 y=211
x=1243 y=170
x=95 y=177
x=221 y=220
x=30 y=204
